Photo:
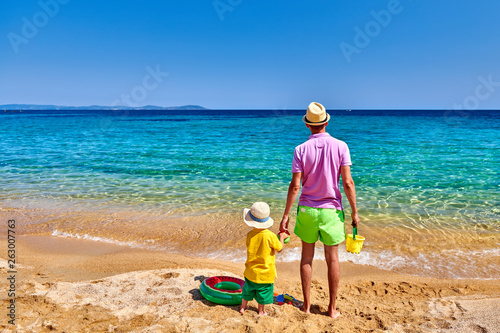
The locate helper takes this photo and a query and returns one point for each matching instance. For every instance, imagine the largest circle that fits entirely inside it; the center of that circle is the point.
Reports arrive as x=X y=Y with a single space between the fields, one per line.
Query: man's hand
x=284 y=224
x=355 y=220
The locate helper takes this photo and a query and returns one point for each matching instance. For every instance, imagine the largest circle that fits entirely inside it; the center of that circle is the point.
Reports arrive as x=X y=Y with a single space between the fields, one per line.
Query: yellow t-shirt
x=261 y=246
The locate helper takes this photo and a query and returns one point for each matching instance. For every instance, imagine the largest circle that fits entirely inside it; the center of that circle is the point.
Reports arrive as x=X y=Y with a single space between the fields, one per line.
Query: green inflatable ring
x=224 y=290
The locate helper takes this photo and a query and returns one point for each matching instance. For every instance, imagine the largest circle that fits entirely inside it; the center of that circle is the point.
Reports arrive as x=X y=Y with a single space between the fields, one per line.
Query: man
x=318 y=164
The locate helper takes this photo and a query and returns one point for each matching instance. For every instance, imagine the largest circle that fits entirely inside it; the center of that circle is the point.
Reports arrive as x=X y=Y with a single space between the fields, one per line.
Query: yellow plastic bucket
x=354 y=245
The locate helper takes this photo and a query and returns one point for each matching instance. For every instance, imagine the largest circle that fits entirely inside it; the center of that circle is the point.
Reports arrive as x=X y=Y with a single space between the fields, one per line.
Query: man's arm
x=293 y=191
x=350 y=192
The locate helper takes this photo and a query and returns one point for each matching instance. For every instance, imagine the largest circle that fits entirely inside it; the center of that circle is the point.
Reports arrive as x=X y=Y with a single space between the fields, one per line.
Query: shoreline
x=428 y=251
x=163 y=294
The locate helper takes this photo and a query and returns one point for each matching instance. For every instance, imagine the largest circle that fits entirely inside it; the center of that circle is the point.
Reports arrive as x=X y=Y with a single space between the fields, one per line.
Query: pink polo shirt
x=320 y=159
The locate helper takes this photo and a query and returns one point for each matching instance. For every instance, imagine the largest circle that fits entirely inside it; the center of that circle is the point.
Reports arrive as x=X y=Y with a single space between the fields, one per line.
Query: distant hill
x=96 y=107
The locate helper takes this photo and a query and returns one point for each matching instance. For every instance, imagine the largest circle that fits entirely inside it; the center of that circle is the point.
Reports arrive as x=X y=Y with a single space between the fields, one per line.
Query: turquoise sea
x=427 y=182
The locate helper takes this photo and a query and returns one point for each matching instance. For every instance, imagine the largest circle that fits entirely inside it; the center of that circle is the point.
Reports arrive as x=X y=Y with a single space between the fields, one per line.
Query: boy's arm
x=282 y=240
x=283 y=236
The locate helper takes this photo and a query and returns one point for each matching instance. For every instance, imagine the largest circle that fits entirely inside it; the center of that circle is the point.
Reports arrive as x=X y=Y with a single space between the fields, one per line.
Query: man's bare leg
x=306 y=273
x=332 y=261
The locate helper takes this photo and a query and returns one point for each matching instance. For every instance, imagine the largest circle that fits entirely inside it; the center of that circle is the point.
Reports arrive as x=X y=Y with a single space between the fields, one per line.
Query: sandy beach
x=135 y=135
x=71 y=285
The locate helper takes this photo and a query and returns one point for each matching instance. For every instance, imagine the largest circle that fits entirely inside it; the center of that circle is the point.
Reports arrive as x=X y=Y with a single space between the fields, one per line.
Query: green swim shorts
x=262 y=292
x=327 y=224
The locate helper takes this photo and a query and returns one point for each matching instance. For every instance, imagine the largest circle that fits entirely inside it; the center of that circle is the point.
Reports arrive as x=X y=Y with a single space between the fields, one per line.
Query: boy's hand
x=284 y=235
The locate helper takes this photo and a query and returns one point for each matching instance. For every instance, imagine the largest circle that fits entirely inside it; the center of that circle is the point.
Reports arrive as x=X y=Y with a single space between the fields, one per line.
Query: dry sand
x=70 y=285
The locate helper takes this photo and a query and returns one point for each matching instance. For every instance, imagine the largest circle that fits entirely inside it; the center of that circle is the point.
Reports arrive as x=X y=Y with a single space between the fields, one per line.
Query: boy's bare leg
x=332 y=261
x=243 y=306
x=306 y=273
x=261 y=310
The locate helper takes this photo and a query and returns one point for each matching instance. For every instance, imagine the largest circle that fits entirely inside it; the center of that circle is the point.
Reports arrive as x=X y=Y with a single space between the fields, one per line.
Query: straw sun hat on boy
x=258 y=216
x=316 y=115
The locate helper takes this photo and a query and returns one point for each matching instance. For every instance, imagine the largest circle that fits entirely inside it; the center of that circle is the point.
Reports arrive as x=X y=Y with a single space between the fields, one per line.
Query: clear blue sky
x=252 y=54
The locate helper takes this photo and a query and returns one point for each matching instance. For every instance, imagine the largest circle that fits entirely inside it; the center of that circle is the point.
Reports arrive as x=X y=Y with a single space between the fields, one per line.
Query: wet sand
x=71 y=285
x=433 y=251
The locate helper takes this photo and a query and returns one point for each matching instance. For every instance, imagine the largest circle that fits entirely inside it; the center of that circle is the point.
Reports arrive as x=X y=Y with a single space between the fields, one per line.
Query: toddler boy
x=260 y=270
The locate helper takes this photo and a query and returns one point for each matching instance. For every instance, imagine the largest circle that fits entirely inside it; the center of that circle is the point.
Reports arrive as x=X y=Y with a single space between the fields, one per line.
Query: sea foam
x=443 y=264
x=132 y=244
